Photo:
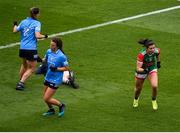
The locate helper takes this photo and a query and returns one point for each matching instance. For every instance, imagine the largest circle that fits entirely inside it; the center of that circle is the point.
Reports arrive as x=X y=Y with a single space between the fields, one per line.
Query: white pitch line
x=100 y=25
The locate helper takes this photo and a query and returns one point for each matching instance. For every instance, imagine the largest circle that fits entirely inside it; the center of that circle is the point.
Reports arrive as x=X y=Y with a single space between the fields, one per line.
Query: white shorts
x=143 y=76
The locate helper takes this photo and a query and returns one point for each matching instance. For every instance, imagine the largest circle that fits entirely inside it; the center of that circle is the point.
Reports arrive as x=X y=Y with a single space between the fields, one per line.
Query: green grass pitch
x=104 y=61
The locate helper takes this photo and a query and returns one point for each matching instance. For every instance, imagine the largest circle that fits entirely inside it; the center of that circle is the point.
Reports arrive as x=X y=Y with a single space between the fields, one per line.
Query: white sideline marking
x=99 y=25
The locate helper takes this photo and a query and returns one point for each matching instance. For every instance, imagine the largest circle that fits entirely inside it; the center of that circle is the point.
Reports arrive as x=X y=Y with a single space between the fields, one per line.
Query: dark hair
x=146 y=42
x=34 y=11
x=58 y=42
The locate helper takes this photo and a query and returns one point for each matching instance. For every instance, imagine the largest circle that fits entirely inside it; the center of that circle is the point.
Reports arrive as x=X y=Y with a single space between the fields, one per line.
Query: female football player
x=30 y=31
x=56 y=64
x=148 y=61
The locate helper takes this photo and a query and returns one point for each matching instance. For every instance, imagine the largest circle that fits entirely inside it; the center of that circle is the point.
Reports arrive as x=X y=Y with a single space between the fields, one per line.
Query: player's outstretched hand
x=15 y=23
x=142 y=72
x=45 y=36
x=158 y=64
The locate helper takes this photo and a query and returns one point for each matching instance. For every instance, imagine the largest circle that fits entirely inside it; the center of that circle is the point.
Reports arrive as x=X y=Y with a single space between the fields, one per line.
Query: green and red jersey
x=149 y=61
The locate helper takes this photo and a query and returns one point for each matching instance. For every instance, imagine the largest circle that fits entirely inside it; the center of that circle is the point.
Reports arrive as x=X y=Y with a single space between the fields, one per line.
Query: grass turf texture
x=104 y=61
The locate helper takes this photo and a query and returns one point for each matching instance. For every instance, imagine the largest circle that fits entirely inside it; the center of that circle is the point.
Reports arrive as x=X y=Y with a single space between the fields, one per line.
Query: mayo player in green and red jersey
x=148 y=62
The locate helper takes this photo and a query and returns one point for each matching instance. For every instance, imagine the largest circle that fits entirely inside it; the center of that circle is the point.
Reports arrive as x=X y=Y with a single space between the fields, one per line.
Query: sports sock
x=50 y=107
x=136 y=98
x=21 y=83
x=153 y=98
x=60 y=107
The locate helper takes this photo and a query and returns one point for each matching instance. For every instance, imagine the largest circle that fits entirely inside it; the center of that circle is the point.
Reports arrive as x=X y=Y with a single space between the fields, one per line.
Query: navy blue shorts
x=51 y=85
x=30 y=55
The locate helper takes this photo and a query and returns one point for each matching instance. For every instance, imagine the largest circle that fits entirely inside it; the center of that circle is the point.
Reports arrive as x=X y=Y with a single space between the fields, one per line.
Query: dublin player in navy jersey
x=30 y=31
x=57 y=64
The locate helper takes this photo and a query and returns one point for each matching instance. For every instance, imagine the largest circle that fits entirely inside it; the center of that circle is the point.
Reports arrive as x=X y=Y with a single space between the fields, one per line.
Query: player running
x=57 y=64
x=30 y=31
x=148 y=61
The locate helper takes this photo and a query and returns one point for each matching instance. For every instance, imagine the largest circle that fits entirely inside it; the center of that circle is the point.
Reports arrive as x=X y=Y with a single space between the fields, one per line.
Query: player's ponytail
x=145 y=42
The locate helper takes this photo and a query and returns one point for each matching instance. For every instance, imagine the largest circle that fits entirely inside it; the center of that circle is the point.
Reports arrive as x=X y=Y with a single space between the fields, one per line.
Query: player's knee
x=46 y=99
x=32 y=68
x=31 y=71
x=32 y=65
